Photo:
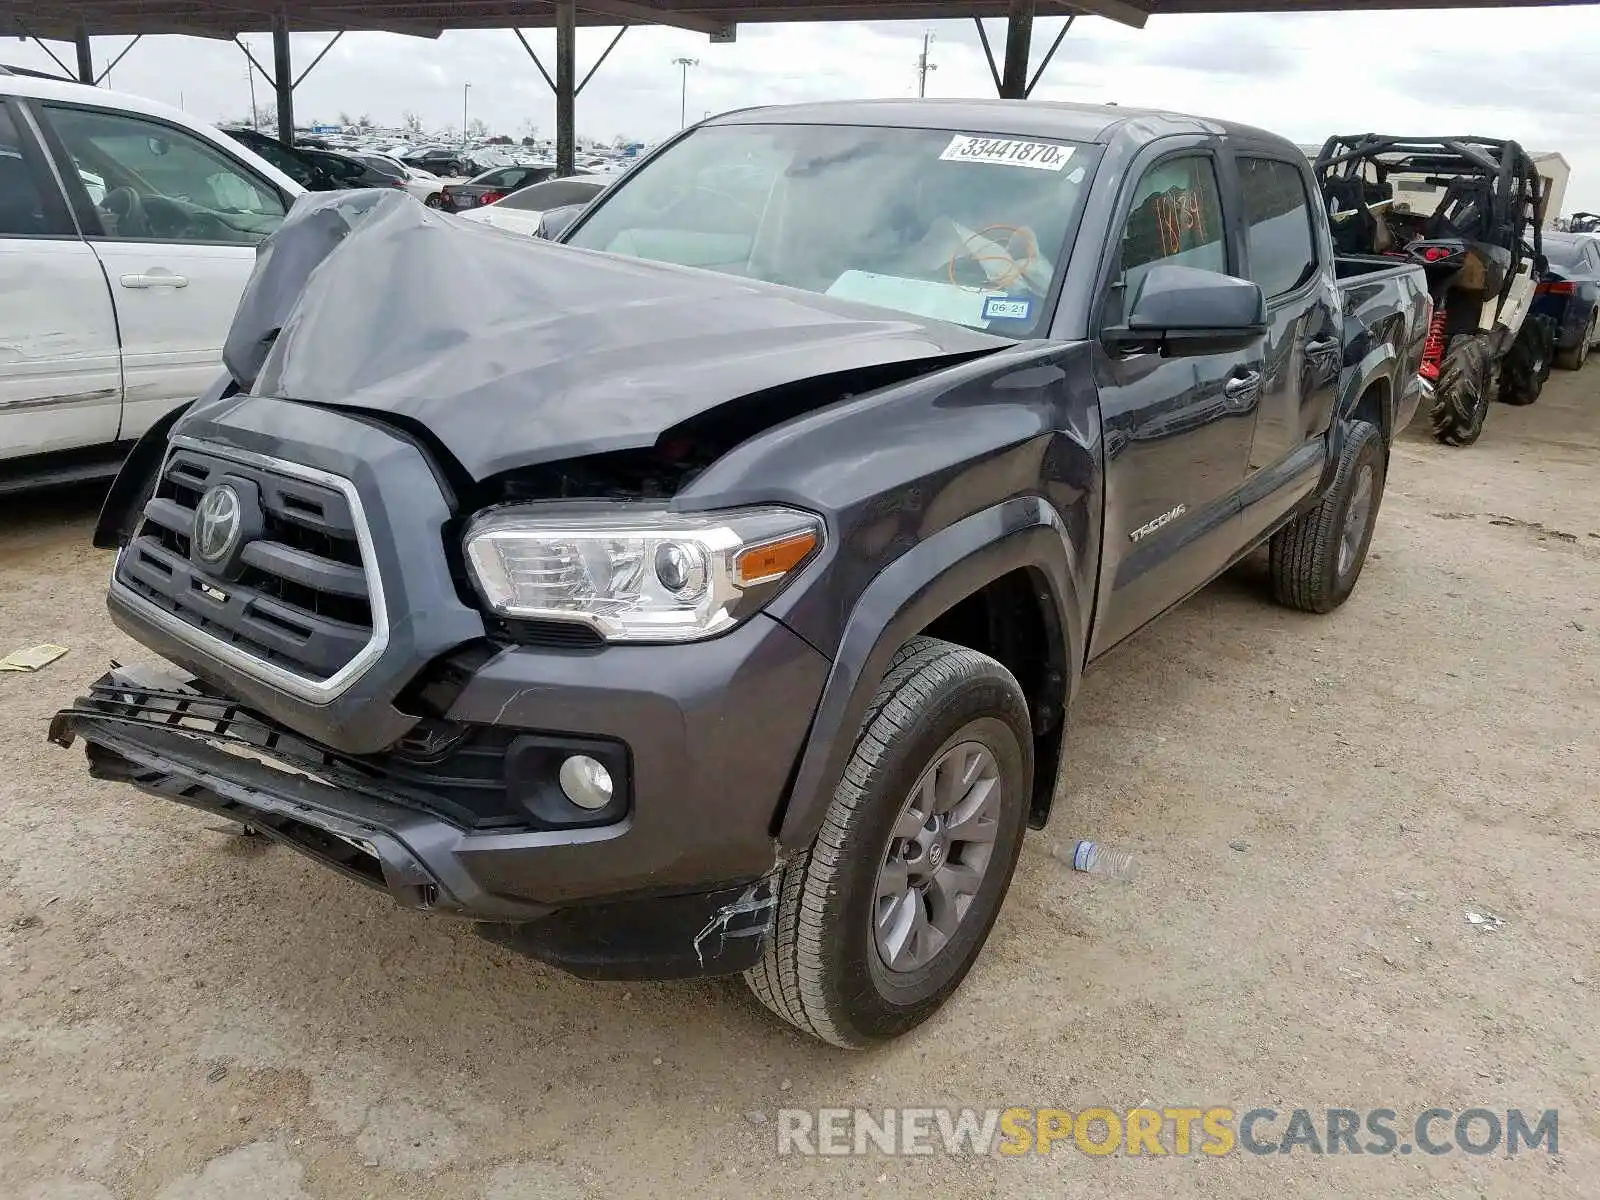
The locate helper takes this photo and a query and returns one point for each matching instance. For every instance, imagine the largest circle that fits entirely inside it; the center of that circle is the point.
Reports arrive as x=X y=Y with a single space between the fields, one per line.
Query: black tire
x=1461 y=397
x=822 y=969
x=435 y=200
x=1314 y=567
x=1527 y=364
x=1573 y=359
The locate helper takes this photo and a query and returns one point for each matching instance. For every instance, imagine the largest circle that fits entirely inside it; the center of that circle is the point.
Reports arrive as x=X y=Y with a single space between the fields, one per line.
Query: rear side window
x=24 y=211
x=1282 y=253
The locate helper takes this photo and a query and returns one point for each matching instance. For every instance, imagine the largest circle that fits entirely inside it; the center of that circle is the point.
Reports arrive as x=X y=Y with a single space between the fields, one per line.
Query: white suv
x=127 y=232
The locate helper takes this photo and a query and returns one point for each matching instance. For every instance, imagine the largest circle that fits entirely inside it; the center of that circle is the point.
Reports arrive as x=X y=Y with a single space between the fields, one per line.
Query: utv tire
x=945 y=750
x=1461 y=397
x=1316 y=560
x=1573 y=359
x=1527 y=364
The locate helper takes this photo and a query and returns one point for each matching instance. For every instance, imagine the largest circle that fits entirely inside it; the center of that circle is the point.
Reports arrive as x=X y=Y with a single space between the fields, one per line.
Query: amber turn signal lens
x=763 y=564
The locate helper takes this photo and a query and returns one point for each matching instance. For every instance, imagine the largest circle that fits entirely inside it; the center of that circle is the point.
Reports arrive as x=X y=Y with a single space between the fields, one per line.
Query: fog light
x=586 y=782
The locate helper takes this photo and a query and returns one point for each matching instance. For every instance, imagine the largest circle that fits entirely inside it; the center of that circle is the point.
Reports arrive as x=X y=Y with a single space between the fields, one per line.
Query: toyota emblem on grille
x=217 y=523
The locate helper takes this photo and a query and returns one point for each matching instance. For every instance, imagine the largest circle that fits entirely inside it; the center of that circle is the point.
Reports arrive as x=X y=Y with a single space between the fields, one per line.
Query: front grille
x=296 y=597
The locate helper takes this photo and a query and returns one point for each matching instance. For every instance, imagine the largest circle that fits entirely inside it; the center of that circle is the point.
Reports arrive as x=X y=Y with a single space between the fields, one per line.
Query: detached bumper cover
x=166 y=736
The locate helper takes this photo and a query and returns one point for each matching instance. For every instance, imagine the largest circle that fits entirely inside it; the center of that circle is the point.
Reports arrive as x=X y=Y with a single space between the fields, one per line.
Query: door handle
x=154 y=279
x=1322 y=345
x=1242 y=391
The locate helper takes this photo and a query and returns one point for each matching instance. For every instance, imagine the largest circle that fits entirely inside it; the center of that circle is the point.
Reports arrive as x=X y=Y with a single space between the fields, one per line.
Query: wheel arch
x=1011 y=560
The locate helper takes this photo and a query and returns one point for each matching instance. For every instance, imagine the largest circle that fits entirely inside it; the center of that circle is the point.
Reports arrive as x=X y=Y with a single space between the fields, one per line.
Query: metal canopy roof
x=66 y=19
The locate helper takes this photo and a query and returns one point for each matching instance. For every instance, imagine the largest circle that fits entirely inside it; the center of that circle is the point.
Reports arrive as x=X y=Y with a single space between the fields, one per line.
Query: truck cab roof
x=1089 y=123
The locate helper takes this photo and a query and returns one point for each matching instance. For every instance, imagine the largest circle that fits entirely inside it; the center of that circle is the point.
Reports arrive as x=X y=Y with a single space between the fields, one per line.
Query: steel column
x=283 y=79
x=1019 y=45
x=566 y=86
x=85 y=58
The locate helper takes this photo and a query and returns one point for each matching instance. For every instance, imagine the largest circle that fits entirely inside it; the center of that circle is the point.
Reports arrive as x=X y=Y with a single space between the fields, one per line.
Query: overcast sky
x=1533 y=75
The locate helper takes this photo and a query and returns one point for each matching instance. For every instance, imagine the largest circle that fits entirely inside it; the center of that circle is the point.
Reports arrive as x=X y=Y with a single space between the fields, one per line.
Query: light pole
x=924 y=66
x=465 y=88
x=683 y=98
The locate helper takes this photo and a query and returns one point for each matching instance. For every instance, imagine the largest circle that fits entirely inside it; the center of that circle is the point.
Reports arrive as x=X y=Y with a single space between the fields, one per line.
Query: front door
x=177 y=221
x=1177 y=430
x=60 y=377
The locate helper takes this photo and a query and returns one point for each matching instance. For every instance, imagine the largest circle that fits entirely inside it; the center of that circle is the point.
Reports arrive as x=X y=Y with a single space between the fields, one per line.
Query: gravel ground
x=1315 y=803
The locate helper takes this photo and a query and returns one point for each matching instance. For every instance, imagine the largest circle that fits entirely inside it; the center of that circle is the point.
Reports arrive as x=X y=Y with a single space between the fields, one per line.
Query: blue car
x=1569 y=294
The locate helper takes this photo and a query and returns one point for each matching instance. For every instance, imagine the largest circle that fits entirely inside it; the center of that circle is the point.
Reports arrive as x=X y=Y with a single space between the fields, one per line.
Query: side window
x=24 y=209
x=1176 y=218
x=1282 y=253
x=291 y=165
x=151 y=182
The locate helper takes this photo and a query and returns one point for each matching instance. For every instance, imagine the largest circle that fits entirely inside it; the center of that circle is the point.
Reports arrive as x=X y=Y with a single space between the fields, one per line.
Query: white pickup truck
x=127 y=232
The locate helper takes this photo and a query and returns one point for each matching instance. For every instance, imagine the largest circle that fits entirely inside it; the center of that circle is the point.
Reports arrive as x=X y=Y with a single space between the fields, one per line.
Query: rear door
x=1177 y=429
x=60 y=375
x=176 y=231
x=1286 y=256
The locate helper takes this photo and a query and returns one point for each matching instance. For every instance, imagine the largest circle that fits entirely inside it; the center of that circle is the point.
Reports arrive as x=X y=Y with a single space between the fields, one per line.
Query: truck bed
x=1366 y=266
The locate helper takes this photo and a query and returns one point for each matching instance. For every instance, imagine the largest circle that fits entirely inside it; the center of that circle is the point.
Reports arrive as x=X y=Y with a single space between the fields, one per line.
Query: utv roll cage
x=1492 y=191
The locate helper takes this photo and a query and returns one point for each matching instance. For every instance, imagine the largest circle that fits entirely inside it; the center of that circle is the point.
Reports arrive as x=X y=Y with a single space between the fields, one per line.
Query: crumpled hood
x=512 y=351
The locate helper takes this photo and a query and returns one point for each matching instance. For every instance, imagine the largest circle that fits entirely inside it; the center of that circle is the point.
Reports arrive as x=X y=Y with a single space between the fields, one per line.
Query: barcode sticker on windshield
x=1041 y=156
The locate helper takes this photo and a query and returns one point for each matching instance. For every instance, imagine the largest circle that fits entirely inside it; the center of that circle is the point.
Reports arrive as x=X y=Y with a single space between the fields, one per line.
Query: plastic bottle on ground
x=1092 y=858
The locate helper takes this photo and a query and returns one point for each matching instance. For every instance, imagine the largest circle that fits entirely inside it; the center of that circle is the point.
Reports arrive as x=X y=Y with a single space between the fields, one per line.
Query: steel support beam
x=1048 y=55
x=566 y=87
x=85 y=58
x=283 y=79
x=1019 y=45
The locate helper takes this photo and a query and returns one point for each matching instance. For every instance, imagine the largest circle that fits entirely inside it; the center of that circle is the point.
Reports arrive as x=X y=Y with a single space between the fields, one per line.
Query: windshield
x=958 y=227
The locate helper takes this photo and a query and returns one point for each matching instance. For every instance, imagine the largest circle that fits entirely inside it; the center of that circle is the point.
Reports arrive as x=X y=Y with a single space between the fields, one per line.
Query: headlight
x=637 y=574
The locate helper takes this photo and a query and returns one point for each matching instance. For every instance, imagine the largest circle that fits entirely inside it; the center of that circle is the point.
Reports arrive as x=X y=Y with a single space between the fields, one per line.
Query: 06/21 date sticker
x=1010 y=152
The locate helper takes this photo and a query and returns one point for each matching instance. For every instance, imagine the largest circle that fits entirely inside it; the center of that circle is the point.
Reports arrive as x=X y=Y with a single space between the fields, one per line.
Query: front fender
x=125 y=500
x=929 y=579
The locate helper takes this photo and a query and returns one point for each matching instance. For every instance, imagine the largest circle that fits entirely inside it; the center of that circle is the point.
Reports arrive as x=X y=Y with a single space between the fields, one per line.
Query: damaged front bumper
x=170 y=737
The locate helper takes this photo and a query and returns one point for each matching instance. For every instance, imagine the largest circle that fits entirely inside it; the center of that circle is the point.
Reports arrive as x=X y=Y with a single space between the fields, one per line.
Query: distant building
x=1415 y=196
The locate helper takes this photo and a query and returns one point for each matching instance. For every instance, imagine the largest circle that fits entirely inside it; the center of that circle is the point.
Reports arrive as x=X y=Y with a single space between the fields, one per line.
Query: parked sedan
x=314 y=170
x=424 y=185
x=440 y=160
x=522 y=211
x=1569 y=294
x=491 y=186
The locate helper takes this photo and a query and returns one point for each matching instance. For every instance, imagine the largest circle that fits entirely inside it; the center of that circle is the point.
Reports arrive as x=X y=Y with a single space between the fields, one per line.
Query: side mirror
x=1184 y=311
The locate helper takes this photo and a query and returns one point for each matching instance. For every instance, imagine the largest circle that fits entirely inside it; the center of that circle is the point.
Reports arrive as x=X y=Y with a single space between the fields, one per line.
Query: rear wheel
x=1461 y=397
x=880 y=920
x=1527 y=365
x=434 y=201
x=1573 y=359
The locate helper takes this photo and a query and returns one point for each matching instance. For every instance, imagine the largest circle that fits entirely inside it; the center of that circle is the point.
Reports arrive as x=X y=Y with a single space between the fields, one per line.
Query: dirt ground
x=1315 y=803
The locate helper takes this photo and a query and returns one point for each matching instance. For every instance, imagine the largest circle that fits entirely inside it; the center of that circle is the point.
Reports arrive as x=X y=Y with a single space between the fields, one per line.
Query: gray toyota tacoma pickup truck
x=708 y=593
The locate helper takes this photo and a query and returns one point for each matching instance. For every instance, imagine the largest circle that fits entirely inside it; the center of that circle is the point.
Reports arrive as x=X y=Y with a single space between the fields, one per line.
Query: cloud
x=1528 y=74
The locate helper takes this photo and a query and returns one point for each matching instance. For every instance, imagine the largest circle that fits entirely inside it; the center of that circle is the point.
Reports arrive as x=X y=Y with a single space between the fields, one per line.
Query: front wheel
x=1316 y=559
x=1527 y=364
x=880 y=920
